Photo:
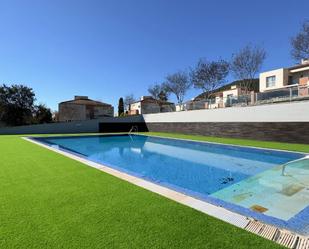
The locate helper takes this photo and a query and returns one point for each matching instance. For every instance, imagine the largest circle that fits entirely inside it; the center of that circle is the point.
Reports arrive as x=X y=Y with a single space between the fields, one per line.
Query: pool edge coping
x=282 y=236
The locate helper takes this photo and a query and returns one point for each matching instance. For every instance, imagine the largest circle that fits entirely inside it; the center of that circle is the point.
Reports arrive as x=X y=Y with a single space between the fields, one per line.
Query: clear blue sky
x=110 y=48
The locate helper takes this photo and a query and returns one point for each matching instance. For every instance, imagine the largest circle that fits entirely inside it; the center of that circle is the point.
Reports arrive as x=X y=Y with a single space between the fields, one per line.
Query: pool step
x=282 y=237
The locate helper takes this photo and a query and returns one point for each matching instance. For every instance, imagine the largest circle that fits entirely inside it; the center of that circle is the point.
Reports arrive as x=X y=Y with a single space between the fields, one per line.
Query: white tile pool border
x=281 y=236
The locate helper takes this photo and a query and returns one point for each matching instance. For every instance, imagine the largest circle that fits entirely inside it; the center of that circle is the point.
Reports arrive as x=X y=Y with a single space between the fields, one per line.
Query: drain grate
x=269 y=232
x=303 y=243
x=255 y=227
x=287 y=239
x=284 y=238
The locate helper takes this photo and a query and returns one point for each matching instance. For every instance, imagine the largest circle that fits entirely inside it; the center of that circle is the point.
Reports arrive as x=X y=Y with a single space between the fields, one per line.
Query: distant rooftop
x=304 y=63
x=253 y=87
x=84 y=100
x=150 y=99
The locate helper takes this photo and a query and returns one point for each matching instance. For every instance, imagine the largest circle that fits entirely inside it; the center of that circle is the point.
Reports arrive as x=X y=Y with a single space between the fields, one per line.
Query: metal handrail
x=134 y=128
x=297 y=160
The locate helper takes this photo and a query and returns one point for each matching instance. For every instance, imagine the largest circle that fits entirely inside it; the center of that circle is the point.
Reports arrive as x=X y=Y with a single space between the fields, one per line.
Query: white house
x=147 y=104
x=285 y=77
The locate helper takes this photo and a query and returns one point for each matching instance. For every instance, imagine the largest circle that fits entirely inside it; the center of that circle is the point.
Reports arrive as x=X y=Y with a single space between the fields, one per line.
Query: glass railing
x=290 y=93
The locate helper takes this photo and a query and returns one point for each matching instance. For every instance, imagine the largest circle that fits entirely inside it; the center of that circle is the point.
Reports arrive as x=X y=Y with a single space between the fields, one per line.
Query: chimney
x=145 y=97
x=305 y=61
x=76 y=97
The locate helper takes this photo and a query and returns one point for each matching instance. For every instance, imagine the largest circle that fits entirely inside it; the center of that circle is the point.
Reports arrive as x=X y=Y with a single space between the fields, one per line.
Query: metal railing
x=287 y=94
x=279 y=95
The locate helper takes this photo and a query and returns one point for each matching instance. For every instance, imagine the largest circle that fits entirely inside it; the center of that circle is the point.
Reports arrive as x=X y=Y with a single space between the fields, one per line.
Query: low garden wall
x=88 y=126
x=285 y=122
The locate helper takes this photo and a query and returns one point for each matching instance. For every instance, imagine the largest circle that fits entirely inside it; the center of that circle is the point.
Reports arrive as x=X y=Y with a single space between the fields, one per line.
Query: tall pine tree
x=120 y=107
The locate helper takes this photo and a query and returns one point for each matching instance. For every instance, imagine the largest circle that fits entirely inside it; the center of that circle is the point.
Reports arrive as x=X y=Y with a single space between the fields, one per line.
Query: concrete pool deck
x=281 y=236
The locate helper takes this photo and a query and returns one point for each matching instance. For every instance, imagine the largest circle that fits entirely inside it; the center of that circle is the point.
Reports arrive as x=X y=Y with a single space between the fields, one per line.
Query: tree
x=209 y=75
x=17 y=104
x=300 y=43
x=128 y=100
x=159 y=92
x=246 y=63
x=120 y=107
x=178 y=84
x=42 y=114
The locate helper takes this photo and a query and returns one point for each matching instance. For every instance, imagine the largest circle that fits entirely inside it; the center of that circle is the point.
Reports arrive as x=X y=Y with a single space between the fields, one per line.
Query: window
x=270 y=81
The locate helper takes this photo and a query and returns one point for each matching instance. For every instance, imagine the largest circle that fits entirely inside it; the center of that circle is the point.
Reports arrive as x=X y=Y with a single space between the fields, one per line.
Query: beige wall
x=168 y=108
x=76 y=112
x=136 y=107
x=282 y=76
x=234 y=92
x=296 y=76
x=71 y=112
x=151 y=107
x=103 y=111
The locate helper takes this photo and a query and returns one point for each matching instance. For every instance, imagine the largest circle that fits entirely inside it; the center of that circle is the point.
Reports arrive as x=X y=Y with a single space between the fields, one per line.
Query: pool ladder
x=134 y=128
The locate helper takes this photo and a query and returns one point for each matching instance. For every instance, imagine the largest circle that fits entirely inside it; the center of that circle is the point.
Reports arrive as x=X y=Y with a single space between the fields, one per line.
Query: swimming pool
x=243 y=179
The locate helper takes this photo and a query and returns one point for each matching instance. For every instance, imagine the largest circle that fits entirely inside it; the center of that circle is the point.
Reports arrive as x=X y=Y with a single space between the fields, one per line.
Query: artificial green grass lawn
x=50 y=201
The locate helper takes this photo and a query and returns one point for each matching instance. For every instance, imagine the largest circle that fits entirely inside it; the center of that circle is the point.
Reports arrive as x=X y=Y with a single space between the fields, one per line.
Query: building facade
x=147 y=105
x=83 y=108
x=285 y=77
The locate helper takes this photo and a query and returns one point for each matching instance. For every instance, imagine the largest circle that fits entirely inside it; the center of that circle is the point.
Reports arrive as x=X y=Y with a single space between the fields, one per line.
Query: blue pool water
x=203 y=168
x=235 y=177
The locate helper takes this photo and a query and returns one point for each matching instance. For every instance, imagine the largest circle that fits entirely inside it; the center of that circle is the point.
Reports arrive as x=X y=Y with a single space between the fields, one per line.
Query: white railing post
x=290 y=93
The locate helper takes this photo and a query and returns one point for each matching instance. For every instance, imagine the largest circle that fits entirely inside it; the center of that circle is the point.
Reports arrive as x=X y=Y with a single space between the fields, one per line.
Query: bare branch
x=159 y=92
x=247 y=63
x=300 y=43
x=178 y=84
x=209 y=75
x=128 y=100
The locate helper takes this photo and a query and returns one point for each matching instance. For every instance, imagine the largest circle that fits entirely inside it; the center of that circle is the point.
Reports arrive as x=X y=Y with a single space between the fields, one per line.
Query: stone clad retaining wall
x=292 y=132
x=286 y=122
